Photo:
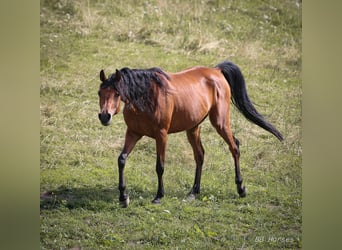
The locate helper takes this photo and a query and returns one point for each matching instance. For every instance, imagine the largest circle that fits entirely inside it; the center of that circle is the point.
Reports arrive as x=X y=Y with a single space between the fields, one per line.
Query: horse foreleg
x=161 y=147
x=130 y=141
x=198 y=150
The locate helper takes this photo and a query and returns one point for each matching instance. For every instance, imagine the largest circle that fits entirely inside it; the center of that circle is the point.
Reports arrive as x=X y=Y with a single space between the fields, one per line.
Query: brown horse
x=158 y=103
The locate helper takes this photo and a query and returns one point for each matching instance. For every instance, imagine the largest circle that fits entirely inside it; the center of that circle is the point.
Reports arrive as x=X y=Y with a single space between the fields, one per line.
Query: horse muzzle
x=105 y=118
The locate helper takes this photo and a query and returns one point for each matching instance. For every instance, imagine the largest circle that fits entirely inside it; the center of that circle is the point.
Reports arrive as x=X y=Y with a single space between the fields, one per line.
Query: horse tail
x=240 y=97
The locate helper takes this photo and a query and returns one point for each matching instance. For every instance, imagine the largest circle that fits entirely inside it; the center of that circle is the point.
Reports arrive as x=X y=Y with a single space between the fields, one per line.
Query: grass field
x=79 y=206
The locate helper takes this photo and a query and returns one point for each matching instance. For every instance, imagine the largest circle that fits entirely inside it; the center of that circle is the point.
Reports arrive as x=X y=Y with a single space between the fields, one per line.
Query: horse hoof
x=125 y=202
x=242 y=192
x=156 y=201
x=190 y=197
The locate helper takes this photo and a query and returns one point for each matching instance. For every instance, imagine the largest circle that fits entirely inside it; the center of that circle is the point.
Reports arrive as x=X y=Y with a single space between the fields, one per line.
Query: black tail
x=240 y=97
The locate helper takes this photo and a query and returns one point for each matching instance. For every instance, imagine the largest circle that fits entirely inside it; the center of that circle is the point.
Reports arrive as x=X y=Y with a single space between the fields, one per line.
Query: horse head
x=109 y=97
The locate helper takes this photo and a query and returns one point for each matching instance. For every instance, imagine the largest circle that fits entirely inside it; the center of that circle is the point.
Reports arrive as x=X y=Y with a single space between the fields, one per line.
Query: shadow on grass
x=101 y=198
x=94 y=198
x=87 y=198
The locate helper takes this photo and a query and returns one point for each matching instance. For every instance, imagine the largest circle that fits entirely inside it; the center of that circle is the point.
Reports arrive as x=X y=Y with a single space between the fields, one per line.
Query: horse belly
x=191 y=104
x=188 y=117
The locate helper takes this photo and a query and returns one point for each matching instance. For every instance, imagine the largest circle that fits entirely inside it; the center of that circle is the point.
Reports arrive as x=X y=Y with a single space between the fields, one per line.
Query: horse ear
x=118 y=76
x=102 y=76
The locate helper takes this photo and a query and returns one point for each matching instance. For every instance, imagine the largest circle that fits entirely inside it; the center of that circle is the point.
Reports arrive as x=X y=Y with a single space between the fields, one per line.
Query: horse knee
x=160 y=169
x=122 y=160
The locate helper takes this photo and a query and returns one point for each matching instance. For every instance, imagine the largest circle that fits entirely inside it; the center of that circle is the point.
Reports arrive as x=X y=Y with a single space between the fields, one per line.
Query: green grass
x=79 y=198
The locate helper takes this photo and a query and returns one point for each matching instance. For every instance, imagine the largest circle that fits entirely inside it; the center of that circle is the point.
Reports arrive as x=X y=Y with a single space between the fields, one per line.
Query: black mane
x=137 y=86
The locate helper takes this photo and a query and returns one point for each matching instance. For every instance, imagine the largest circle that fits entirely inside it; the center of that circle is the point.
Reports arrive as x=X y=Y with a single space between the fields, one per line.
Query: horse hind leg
x=238 y=179
x=233 y=143
x=235 y=151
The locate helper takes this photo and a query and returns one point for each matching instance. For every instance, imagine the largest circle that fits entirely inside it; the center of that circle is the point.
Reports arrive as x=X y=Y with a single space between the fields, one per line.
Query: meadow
x=79 y=207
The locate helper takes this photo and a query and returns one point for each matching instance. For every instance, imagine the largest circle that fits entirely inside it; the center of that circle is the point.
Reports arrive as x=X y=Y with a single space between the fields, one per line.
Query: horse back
x=193 y=94
x=199 y=85
x=185 y=102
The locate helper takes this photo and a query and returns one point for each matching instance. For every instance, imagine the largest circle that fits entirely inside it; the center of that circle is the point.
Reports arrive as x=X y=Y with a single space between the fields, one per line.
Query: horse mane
x=137 y=86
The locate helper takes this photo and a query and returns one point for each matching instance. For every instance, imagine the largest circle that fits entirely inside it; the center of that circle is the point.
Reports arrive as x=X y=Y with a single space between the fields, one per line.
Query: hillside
x=79 y=198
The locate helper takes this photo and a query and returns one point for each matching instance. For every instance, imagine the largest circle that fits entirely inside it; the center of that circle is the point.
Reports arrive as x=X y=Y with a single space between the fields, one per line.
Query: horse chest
x=142 y=123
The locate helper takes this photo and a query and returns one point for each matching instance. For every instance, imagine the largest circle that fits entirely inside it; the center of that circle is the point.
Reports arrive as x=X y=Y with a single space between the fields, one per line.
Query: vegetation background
x=79 y=198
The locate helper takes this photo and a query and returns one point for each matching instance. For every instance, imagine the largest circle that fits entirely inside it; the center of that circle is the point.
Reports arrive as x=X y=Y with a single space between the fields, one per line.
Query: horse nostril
x=105 y=118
